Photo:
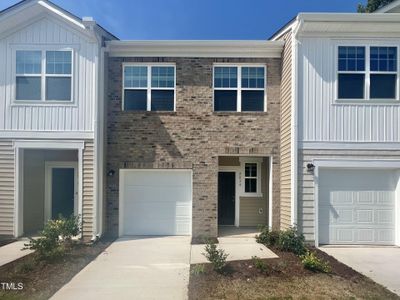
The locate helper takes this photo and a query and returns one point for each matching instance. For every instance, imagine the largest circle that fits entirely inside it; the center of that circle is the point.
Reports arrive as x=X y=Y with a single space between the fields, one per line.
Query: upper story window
x=43 y=75
x=239 y=88
x=149 y=88
x=367 y=73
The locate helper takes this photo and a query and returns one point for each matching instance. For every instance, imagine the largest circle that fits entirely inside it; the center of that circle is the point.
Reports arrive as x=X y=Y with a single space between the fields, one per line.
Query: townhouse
x=188 y=137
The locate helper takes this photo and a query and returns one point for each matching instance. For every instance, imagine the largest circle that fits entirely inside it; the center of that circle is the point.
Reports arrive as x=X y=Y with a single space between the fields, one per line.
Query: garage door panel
x=357 y=206
x=156 y=202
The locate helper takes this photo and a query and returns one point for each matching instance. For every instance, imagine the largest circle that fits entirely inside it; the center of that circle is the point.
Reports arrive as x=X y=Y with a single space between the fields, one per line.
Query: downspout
x=294 y=123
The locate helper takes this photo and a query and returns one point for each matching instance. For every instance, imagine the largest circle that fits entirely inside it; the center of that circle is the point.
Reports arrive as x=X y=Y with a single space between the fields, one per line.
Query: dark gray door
x=226 y=198
x=63 y=190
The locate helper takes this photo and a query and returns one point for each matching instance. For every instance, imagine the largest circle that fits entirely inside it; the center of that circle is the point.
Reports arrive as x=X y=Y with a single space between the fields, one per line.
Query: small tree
x=372 y=5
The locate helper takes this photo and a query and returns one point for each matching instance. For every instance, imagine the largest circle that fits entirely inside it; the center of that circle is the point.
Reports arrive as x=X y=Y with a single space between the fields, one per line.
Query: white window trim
x=43 y=76
x=243 y=162
x=149 y=87
x=239 y=88
x=367 y=72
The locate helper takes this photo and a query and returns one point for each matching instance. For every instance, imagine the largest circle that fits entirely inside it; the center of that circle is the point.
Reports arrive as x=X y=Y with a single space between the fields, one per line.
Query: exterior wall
x=34 y=184
x=77 y=116
x=192 y=137
x=321 y=118
x=306 y=216
x=250 y=206
x=7 y=165
x=286 y=131
x=88 y=199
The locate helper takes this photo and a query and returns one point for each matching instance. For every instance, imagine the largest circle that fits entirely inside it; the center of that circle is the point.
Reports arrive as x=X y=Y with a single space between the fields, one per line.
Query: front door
x=62 y=192
x=226 y=198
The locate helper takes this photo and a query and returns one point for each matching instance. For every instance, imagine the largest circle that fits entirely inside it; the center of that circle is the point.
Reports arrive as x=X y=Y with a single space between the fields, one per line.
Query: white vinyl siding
x=78 y=115
x=322 y=118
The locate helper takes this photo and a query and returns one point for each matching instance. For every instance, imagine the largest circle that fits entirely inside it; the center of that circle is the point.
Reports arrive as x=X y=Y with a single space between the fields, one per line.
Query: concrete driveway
x=135 y=268
x=380 y=264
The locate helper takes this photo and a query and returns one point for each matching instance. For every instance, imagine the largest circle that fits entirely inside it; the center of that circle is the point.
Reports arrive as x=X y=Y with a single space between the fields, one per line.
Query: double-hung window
x=149 y=88
x=43 y=75
x=250 y=176
x=367 y=73
x=239 y=88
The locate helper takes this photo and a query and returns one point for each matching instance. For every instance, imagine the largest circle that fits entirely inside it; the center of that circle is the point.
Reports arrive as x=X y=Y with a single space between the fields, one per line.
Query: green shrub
x=259 y=264
x=291 y=241
x=311 y=262
x=286 y=240
x=55 y=238
x=198 y=270
x=268 y=237
x=215 y=256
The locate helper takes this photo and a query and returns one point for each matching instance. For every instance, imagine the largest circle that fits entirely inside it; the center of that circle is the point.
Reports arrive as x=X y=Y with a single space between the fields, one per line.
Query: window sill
x=22 y=103
x=143 y=112
x=365 y=102
x=251 y=195
x=240 y=112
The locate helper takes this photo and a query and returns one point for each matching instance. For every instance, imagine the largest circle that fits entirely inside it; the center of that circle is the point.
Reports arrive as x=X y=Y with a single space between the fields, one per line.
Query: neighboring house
x=340 y=125
x=51 y=116
x=193 y=136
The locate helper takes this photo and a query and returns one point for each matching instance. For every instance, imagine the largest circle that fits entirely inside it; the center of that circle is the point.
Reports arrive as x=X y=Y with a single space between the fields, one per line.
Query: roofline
x=71 y=15
x=388 y=7
x=283 y=29
x=195 y=48
x=348 y=17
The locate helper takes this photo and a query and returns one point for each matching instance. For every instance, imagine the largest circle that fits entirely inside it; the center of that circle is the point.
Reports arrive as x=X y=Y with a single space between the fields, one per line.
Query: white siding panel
x=321 y=119
x=75 y=117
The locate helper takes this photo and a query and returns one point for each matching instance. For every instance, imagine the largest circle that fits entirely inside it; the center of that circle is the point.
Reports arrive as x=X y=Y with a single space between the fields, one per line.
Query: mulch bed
x=42 y=279
x=6 y=242
x=242 y=280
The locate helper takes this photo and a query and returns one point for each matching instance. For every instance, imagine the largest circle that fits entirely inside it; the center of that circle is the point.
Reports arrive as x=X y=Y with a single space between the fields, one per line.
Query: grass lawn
x=42 y=279
x=284 y=278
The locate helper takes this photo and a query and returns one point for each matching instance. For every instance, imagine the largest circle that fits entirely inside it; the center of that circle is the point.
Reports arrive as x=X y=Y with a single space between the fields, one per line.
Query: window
x=43 y=75
x=239 y=88
x=367 y=73
x=149 y=88
x=250 y=178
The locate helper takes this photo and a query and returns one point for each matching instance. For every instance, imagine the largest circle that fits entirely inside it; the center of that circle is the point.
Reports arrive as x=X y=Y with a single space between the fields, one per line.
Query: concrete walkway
x=13 y=251
x=135 y=268
x=380 y=264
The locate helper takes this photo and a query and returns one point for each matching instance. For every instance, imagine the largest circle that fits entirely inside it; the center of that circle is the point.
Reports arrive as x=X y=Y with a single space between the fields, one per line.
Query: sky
x=196 y=19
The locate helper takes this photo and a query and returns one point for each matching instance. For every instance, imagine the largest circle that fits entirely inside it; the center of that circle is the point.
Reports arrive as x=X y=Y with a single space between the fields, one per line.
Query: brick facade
x=192 y=137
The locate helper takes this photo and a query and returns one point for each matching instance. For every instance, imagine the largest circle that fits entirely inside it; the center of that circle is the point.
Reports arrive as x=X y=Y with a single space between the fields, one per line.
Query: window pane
x=252 y=100
x=384 y=59
x=135 y=100
x=250 y=185
x=253 y=77
x=351 y=86
x=383 y=86
x=351 y=58
x=28 y=88
x=58 y=62
x=225 y=77
x=29 y=62
x=225 y=100
x=135 y=77
x=162 y=100
x=163 y=77
x=250 y=170
x=58 y=88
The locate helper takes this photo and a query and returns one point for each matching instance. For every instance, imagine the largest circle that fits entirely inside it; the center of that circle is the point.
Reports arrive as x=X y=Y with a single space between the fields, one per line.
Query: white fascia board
x=346 y=25
x=271 y=49
x=61 y=135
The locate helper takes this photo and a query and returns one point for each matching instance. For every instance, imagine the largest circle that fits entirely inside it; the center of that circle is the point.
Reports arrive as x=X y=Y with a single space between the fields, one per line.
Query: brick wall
x=192 y=137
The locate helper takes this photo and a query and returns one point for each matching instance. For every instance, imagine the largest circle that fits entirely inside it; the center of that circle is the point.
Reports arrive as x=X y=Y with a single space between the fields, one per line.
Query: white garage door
x=357 y=206
x=155 y=202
